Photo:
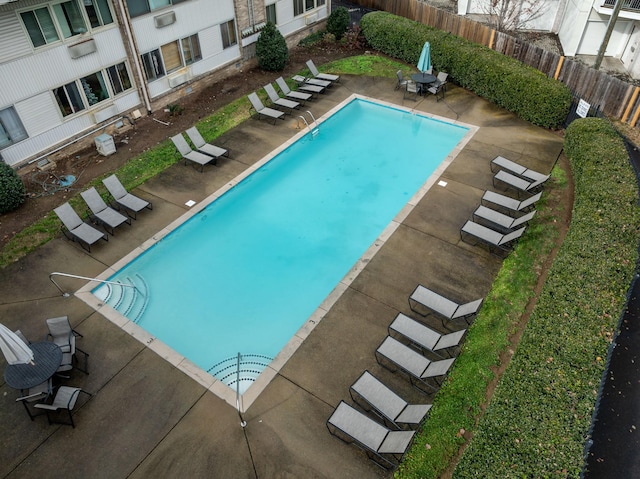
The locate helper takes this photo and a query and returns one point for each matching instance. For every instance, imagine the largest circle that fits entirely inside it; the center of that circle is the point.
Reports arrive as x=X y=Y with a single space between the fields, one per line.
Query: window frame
x=227 y=34
x=12 y=138
x=301 y=7
x=274 y=13
x=68 y=98
x=118 y=74
x=144 y=6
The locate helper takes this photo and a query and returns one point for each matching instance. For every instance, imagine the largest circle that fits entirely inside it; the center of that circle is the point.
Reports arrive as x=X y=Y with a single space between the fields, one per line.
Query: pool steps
x=251 y=365
x=130 y=302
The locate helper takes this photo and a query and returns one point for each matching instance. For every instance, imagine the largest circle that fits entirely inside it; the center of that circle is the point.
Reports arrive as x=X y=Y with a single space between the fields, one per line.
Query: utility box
x=105 y=144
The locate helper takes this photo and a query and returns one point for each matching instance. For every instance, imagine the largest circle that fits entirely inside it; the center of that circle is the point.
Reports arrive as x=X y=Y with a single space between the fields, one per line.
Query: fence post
x=493 y=34
x=630 y=105
x=558 y=68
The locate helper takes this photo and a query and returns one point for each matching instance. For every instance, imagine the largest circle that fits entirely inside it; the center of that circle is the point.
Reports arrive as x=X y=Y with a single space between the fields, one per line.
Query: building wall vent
x=83 y=48
x=178 y=79
x=309 y=19
x=104 y=114
x=164 y=19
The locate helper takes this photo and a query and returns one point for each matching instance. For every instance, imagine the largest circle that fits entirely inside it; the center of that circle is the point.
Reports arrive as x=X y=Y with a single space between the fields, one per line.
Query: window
x=98 y=12
x=191 y=49
x=271 y=14
x=11 y=129
x=298 y=7
x=40 y=26
x=301 y=6
x=69 y=99
x=153 y=67
x=95 y=89
x=69 y=18
x=228 y=31
x=171 y=56
x=119 y=78
x=140 y=7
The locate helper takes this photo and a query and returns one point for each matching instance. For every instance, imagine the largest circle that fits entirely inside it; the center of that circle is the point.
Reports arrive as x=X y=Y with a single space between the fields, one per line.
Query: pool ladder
x=316 y=130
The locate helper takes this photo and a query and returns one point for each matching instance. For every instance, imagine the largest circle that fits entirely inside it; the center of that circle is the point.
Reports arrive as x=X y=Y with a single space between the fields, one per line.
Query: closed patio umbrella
x=424 y=63
x=15 y=350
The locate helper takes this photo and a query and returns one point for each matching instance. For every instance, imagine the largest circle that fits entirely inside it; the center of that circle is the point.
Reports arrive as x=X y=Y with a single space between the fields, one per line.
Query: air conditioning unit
x=106 y=113
x=164 y=19
x=309 y=19
x=83 y=48
x=178 y=79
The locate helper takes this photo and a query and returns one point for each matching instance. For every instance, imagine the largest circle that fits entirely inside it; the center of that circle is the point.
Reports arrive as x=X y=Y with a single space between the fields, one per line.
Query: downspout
x=135 y=54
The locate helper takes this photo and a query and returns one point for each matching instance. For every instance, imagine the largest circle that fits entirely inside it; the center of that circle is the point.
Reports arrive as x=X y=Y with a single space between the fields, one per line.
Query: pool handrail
x=66 y=295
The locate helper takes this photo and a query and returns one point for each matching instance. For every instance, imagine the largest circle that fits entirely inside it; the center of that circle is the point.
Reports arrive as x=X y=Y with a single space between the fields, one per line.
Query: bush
x=508 y=83
x=338 y=22
x=11 y=189
x=271 y=49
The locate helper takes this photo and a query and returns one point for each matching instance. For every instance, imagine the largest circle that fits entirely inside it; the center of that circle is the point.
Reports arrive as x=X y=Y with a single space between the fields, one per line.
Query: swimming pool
x=268 y=251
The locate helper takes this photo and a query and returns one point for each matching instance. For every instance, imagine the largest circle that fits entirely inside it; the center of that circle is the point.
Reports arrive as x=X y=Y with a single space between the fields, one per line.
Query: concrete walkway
x=148 y=419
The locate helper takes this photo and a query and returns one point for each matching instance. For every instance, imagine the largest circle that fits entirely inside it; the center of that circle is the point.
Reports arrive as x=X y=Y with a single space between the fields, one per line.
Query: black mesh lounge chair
x=321 y=76
x=385 y=403
x=190 y=155
x=204 y=147
x=517 y=169
x=102 y=213
x=495 y=240
x=505 y=222
x=74 y=228
x=293 y=95
x=306 y=85
x=419 y=368
x=383 y=446
x=423 y=336
x=262 y=110
x=519 y=184
x=62 y=334
x=423 y=298
x=277 y=101
x=131 y=203
x=510 y=203
x=65 y=399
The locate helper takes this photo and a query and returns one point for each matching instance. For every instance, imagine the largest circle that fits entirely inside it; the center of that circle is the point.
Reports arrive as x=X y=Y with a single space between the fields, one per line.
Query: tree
x=513 y=15
x=11 y=189
x=338 y=22
x=271 y=49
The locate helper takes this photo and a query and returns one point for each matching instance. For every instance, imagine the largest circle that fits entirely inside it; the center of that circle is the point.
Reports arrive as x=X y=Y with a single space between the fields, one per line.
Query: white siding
x=39 y=113
x=14 y=42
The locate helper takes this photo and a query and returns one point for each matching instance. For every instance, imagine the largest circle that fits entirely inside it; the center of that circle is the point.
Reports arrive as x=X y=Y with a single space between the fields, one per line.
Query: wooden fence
x=613 y=97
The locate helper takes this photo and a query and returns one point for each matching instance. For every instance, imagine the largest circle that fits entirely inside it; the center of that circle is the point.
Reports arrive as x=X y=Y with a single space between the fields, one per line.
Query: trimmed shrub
x=271 y=49
x=508 y=83
x=338 y=22
x=11 y=189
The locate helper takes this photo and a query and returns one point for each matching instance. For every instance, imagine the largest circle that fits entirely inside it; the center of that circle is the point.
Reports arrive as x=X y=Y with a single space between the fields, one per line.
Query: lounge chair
x=419 y=368
x=423 y=336
x=204 y=147
x=383 y=446
x=492 y=238
x=294 y=95
x=131 y=203
x=510 y=203
x=78 y=229
x=306 y=85
x=262 y=110
x=65 y=399
x=190 y=155
x=103 y=213
x=520 y=184
x=386 y=403
x=402 y=82
x=517 y=169
x=277 y=101
x=505 y=222
x=444 y=307
x=321 y=76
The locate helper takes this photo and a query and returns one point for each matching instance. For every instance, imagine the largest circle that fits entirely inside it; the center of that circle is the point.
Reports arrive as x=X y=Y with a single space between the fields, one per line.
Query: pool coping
x=211 y=383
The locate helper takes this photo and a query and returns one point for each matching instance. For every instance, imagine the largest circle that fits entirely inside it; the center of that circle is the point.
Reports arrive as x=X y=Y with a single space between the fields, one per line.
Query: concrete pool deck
x=148 y=419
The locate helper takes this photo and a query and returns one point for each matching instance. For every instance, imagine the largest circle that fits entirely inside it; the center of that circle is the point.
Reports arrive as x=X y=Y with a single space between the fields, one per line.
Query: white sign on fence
x=583 y=108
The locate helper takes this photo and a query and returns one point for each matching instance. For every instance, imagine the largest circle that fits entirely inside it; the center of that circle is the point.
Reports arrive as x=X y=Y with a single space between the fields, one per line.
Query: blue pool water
x=244 y=274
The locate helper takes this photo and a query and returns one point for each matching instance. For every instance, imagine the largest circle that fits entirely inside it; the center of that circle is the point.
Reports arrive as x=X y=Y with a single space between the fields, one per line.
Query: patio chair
x=294 y=95
x=438 y=87
x=310 y=85
x=321 y=76
x=510 y=203
x=204 y=147
x=419 y=368
x=277 y=101
x=65 y=399
x=41 y=392
x=432 y=301
x=74 y=228
x=413 y=88
x=131 y=203
x=190 y=155
x=382 y=445
x=517 y=169
x=503 y=221
x=423 y=336
x=402 y=82
x=385 y=403
x=520 y=184
x=492 y=238
x=262 y=110
x=103 y=213
x=62 y=334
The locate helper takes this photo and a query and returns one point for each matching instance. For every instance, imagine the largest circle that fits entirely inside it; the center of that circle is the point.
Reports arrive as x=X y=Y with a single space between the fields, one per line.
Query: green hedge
x=508 y=83
x=538 y=420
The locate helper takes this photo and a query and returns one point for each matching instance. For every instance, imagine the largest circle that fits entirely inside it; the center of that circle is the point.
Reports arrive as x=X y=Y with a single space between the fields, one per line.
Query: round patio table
x=47 y=357
x=423 y=79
